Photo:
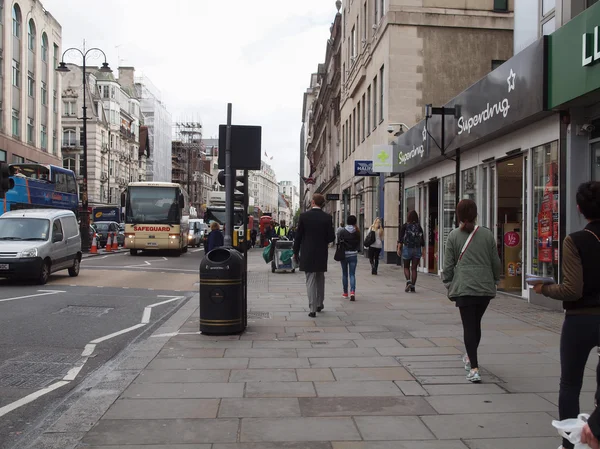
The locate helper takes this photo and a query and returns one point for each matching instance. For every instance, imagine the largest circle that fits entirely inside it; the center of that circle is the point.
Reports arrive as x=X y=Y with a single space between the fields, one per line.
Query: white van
x=37 y=242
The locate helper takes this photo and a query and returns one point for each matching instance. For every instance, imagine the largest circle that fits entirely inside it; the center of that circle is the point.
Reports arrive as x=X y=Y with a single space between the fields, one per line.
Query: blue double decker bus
x=37 y=186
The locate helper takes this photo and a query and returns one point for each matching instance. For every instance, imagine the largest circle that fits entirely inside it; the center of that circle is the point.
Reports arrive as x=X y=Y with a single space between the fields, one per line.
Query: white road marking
x=165 y=258
x=198 y=250
x=43 y=293
x=174 y=334
x=87 y=352
x=30 y=398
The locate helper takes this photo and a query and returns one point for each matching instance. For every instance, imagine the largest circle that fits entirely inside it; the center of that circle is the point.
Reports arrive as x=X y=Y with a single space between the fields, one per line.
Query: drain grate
x=259 y=315
x=36 y=370
x=85 y=310
x=258 y=278
x=319 y=342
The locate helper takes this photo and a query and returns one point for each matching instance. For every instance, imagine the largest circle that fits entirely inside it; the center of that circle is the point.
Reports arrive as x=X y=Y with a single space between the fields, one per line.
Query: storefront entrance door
x=509 y=221
x=423 y=211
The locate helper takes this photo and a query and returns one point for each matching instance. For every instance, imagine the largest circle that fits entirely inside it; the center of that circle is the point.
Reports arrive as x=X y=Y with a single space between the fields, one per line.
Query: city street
x=54 y=336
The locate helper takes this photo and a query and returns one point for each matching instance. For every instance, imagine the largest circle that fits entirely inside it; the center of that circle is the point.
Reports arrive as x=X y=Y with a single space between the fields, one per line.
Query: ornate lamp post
x=62 y=67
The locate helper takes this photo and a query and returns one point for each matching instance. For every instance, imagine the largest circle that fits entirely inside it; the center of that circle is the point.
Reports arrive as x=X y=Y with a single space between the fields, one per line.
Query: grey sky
x=204 y=53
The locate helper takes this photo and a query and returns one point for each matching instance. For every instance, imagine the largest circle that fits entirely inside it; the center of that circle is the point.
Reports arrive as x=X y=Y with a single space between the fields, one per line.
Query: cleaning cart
x=283 y=255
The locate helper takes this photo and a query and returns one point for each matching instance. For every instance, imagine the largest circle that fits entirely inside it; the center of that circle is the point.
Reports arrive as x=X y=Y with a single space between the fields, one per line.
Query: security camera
x=588 y=127
x=390 y=129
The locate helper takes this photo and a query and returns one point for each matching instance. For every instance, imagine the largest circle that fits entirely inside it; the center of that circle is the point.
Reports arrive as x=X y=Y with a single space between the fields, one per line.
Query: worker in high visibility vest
x=281 y=230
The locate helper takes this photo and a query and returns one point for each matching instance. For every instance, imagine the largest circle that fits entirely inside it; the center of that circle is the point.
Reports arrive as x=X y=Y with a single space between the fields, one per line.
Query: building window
x=44 y=93
x=354 y=131
x=376 y=12
x=105 y=92
x=364 y=116
x=54 y=101
x=69 y=139
x=2 y=156
x=31 y=36
x=81 y=137
x=30 y=85
x=497 y=63
x=549 y=26
x=69 y=163
x=44 y=47
x=358 y=121
x=16 y=73
x=56 y=58
x=364 y=22
x=81 y=165
x=468 y=186
x=547 y=6
x=501 y=5
x=44 y=137
x=589 y=3
x=15 y=123
x=353 y=44
x=381 y=8
x=16 y=21
x=375 y=103
x=381 y=94
x=409 y=201
x=369 y=110
x=54 y=142
x=18 y=159
x=30 y=130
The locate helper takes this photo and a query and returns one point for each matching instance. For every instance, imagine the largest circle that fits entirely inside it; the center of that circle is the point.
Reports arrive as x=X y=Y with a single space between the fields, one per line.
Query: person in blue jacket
x=215 y=237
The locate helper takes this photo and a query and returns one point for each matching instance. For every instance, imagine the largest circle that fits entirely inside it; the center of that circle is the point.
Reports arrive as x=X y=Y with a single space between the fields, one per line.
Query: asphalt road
x=53 y=336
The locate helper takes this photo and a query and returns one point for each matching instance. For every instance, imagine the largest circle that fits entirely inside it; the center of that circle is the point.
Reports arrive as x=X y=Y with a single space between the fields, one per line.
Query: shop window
x=2 y=156
x=545 y=210
x=596 y=161
x=449 y=205
x=409 y=201
x=468 y=184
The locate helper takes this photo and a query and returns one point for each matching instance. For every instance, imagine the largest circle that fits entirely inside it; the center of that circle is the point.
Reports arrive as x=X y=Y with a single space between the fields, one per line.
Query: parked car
x=103 y=228
x=37 y=242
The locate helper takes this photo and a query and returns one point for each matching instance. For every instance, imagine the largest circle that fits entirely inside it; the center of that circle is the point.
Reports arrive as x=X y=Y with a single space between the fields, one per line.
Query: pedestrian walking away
x=311 y=250
x=410 y=248
x=580 y=293
x=215 y=237
x=350 y=240
x=471 y=274
x=375 y=248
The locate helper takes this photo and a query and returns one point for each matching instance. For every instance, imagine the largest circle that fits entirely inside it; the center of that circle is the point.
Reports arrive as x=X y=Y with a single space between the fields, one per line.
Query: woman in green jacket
x=471 y=273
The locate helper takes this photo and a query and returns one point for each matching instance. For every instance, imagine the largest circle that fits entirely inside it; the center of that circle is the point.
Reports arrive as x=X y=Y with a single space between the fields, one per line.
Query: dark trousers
x=471 y=315
x=374 y=258
x=580 y=335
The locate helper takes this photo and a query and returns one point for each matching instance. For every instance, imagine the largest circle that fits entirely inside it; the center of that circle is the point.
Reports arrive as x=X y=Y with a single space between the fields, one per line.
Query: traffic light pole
x=229 y=183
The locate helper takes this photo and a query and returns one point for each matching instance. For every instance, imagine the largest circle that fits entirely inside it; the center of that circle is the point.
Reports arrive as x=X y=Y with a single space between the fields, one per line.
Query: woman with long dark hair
x=580 y=293
x=471 y=273
x=410 y=248
x=350 y=238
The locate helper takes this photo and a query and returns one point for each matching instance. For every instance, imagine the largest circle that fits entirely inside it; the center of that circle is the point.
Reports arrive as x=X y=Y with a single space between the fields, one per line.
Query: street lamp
x=62 y=67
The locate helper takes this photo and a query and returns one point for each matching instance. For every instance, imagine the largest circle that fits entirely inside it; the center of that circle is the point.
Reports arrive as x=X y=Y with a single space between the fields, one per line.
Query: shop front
x=499 y=148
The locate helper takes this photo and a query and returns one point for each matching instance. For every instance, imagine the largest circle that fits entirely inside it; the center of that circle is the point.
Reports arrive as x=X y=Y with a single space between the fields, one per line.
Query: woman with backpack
x=471 y=273
x=349 y=237
x=410 y=248
x=376 y=236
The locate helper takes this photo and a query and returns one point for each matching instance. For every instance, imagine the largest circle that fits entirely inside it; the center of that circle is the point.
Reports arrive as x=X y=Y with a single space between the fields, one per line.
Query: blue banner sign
x=364 y=168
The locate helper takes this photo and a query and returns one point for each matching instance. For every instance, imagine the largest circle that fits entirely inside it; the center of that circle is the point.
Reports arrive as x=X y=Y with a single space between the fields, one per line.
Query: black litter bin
x=222 y=305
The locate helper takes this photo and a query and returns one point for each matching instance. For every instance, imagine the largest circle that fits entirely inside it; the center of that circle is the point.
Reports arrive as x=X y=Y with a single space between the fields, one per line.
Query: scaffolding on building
x=189 y=161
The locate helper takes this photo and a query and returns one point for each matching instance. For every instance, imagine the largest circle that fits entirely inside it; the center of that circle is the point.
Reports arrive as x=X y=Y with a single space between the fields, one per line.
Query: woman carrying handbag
x=347 y=254
x=471 y=273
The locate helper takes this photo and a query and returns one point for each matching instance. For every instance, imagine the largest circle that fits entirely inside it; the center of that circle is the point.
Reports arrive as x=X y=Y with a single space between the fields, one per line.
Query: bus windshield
x=152 y=205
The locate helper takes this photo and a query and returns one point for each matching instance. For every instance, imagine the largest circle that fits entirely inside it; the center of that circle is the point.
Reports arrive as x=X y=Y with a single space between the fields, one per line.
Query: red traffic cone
x=94 y=249
x=115 y=243
x=108 y=247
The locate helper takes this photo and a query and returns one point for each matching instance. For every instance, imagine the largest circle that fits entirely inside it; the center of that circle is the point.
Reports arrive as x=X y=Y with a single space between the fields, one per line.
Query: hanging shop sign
x=364 y=168
x=573 y=55
x=383 y=158
x=332 y=197
x=502 y=100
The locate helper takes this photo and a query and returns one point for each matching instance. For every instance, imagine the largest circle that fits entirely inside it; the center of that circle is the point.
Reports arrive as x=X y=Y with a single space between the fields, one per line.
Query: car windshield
x=102 y=226
x=24 y=229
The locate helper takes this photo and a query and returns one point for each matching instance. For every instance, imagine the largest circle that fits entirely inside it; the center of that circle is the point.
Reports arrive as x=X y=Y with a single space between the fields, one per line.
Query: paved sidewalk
x=383 y=372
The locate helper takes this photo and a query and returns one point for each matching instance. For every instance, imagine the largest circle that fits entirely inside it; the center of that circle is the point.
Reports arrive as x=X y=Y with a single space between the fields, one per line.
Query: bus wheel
x=133 y=252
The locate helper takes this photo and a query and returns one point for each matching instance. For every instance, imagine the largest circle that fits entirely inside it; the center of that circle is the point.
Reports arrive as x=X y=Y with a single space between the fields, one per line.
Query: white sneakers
x=473 y=374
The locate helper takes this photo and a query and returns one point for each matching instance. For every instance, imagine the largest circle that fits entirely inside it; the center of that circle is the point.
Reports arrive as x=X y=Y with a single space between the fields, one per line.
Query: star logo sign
x=511 y=80
x=383 y=157
x=424 y=133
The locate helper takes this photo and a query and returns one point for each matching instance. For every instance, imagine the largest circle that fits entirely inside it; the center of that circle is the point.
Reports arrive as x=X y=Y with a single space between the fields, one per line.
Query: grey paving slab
x=150 y=446
x=459 y=379
x=184 y=390
x=278 y=445
x=383 y=373
x=491 y=403
x=163 y=409
x=338 y=352
x=193 y=353
x=352 y=362
x=352 y=406
x=225 y=363
x=513 y=443
x=351 y=388
x=200 y=344
x=515 y=359
x=263 y=353
x=279 y=389
x=180 y=376
x=298 y=429
x=335 y=343
x=542 y=385
x=389 y=428
x=464 y=389
x=536 y=370
x=282 y=344
x=315 y=374
x=510 y=349
x=259 y=408
x=331 y=336
x=164 y=431
x=440 y=364
x=378 y=343
x=263 y=375
x=298 y=362
x=411 y=388
x=434 y=444
x=490 y=425
x=586 y=400
x=395 y=351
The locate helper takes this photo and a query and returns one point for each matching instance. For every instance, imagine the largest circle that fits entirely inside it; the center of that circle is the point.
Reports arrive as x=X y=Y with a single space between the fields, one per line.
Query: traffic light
x=5 y=183
x=240 y=188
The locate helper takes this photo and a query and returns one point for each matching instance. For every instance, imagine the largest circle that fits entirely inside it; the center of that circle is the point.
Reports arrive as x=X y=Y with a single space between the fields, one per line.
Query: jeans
x=374 y=258
x=471 y=316
x=349 y=264
x=580 y=335
x=411 y=253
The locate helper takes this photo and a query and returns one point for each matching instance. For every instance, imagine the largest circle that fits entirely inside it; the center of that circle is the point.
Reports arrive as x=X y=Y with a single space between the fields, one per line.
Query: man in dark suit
x=311 y=248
